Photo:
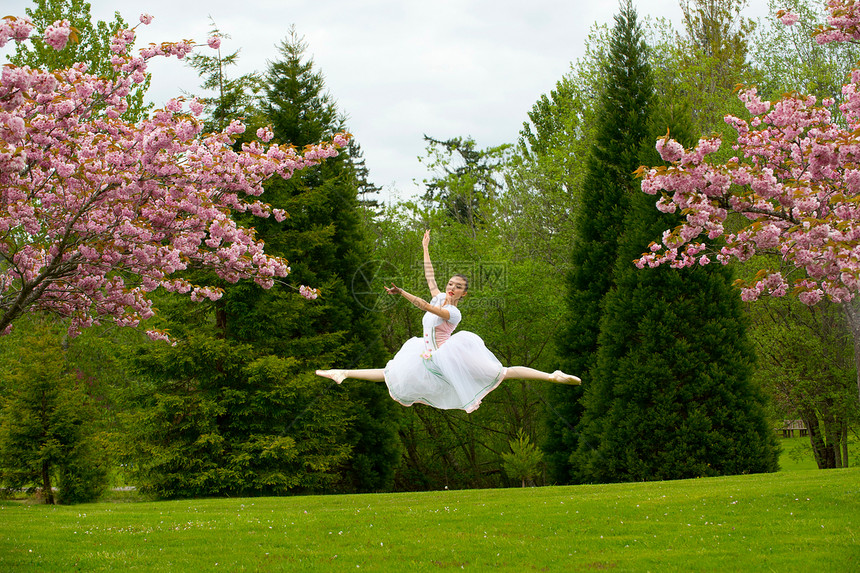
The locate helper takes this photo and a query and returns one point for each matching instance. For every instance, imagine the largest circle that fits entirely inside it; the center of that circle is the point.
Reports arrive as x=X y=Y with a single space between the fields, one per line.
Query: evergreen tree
x=327 y=246
x=216 y=418
x=236 y=408
x=47 y=437
x=621 y=126
x=671 y=394
x=234 y=97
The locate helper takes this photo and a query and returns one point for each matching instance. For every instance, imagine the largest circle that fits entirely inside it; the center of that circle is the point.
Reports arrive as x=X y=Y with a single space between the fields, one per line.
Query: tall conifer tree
x=621 y=127
x=236 y=407
x=670 y=394
x=328 y=248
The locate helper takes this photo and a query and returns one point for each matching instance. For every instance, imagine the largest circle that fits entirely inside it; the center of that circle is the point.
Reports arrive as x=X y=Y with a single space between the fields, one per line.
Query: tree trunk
x=844 y=444
x=47 y=489
x=819 y=449
x=852 y=313
x=832 y=433
x=221 y=319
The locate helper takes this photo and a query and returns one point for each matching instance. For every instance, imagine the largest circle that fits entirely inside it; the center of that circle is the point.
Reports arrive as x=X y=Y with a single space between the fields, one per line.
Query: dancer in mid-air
x=443 y=370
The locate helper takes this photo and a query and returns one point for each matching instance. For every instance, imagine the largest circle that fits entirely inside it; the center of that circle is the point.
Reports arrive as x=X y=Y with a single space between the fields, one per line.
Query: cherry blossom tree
x=794 y=180
x=97 y=212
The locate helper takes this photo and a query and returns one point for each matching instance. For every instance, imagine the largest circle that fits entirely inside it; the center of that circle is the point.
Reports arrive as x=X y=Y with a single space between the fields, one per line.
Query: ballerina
x=443 y=370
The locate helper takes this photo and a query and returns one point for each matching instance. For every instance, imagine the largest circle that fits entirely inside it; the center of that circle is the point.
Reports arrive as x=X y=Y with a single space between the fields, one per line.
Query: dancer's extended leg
x=526 y=373
x=372 y=374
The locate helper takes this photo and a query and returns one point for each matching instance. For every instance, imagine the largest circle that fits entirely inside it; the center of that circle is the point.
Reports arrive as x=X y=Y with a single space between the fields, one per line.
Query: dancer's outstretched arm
x=419 y=302
x=526 y=373
x=429 y=273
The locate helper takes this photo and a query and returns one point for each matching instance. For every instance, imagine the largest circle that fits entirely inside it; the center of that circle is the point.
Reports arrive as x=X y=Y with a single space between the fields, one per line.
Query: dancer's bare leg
x=526 y=373
x=371 y=374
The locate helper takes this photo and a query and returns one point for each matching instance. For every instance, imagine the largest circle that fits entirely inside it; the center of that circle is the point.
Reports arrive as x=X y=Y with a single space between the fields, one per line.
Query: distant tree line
x=680 y=378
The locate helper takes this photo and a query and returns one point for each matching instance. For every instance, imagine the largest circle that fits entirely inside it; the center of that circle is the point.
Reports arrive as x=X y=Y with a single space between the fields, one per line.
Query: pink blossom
x=236 y=127
x=57 y=34
x=111 y=200
x=265 y=134
x=793 y=179
x=12 y=28
x=214 y=42
x=308 y=293
x=195 y=106
x=787 y=17
x=145 y=19
x=669 y=149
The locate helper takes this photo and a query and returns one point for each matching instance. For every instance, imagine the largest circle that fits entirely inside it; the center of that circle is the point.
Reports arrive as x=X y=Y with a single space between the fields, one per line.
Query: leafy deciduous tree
x=92 y=46
x=794 y=178
x=97 y=211
x=806 y=363
x=466 y=177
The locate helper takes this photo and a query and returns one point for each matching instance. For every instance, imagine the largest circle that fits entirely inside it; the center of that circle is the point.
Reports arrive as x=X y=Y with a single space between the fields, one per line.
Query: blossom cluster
x=843 y=23
x=308 y=292
x=96 y=212
x=795 y=178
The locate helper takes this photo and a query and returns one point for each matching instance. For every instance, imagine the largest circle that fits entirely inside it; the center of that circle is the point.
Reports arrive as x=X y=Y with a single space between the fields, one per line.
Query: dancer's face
x=456 y=289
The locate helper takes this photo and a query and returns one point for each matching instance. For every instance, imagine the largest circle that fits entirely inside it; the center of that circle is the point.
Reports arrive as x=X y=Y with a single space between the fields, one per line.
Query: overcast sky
x=398 y=68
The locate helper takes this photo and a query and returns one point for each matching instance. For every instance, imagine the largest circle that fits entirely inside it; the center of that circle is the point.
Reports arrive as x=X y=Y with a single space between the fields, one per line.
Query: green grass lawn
x=797 y=454
x=788 y=521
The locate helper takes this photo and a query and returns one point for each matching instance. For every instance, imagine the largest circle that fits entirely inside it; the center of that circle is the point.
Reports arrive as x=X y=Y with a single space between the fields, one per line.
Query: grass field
x=788 y=521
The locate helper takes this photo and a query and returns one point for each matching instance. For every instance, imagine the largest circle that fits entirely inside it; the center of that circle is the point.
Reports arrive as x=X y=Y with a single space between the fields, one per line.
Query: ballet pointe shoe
x=560 y=377
x=336 y=375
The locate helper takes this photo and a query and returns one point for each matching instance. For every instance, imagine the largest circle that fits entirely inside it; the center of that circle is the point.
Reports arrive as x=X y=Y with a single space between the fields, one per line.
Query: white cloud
x=399 y=68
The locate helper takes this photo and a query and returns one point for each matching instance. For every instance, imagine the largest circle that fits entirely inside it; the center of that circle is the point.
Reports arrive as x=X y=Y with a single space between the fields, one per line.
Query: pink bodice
x=443 y=332
x=437 y=330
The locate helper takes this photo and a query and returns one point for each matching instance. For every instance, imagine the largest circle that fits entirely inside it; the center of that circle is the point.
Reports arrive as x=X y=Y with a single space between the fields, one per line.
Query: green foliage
x=523 y=460
x=806 y=362
x=465 y=177
x=545 y=174
x=671 y=395
x=327 y=246
x=711 y=59
x=47 y=437
x=513 y=305
x=788 y=58
x=236 y=408
x=214 y=420
x=90 y=45
x=621 y=127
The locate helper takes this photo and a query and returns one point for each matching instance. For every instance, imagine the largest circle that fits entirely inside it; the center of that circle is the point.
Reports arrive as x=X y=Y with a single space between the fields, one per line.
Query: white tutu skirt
x=456 y=376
